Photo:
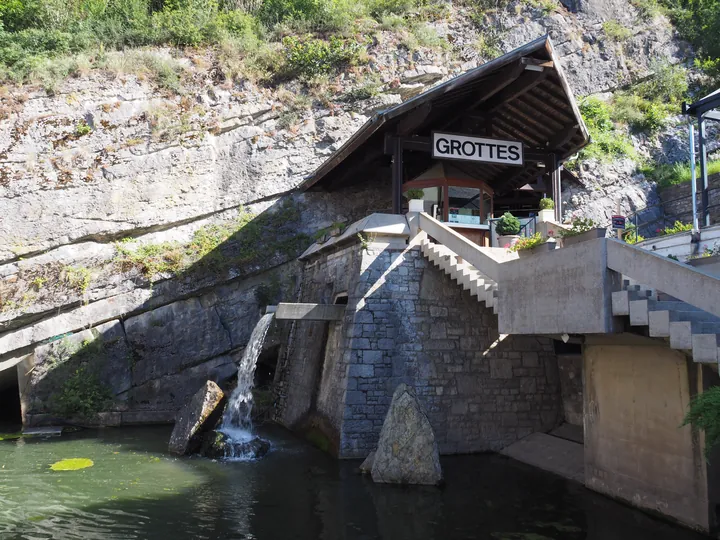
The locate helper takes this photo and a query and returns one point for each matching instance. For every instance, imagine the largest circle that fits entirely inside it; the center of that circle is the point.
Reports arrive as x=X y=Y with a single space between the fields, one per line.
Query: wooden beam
x=526 y=82
x=503 y=81
x=414 y=119
x=562 y=137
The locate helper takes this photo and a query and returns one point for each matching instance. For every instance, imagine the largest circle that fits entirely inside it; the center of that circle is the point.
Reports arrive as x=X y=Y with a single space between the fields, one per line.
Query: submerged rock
x=366 y=466
x=197 y=417
x=218 y=445
x=407 y=451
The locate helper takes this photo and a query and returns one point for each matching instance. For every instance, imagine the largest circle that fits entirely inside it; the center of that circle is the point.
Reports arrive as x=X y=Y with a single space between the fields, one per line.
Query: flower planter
x=416 y=205
x=542 y=248
x=583 y=237
x=709 y=265
x=546 y=215
x=508 y=240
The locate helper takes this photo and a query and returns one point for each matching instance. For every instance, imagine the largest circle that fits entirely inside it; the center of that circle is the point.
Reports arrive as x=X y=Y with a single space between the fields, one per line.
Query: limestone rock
x=202 y=412
x=219 y=445
x=407 y=452
x=366 y=467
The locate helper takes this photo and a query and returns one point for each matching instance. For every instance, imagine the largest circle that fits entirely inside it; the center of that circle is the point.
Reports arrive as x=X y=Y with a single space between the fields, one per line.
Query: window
x=464 y=205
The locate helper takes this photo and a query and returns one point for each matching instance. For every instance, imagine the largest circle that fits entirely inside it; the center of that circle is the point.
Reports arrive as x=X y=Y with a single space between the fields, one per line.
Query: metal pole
x=703 y=173
x=693 y=179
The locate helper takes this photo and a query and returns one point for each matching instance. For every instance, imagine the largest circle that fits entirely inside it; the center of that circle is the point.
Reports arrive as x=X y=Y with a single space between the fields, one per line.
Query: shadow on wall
x=203 y=300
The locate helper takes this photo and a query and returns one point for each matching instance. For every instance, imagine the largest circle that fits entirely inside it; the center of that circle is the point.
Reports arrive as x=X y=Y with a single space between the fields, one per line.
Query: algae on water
x=72 y=464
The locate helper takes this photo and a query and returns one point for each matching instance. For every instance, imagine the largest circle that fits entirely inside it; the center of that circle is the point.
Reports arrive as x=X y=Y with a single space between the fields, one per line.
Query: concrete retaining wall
x=556 y=292
x=636 y=398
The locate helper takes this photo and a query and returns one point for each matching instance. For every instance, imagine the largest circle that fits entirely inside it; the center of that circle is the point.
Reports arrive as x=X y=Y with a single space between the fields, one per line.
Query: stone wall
x=169 y=333
x=408 y=322
x=571 y=387
x=149 y=365
x=682 y=209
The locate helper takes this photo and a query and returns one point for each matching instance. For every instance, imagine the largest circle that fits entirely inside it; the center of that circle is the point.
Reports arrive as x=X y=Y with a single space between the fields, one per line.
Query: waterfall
x=237 y=420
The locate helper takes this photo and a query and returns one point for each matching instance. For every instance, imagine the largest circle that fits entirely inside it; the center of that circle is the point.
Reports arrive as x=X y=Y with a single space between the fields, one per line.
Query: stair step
x=705 y=348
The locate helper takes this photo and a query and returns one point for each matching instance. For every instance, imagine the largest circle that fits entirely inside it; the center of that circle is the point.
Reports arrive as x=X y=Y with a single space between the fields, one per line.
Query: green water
x=135 y=490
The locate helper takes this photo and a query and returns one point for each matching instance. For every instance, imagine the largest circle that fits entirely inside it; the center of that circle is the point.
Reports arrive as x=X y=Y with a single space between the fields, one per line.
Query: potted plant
x=508 y=229
x=581 y=229
x=547 y=210
x=708 y=261
x=415 y=200
x=532 y=244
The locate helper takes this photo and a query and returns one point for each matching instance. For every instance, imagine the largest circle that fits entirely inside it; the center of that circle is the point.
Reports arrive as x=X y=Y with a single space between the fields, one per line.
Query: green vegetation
x=507 y=225
x=647 y=105
x=607 y=141
x=616 y=31
x=547 y=204
x=631 y=236
x=78 y=278
x=82 y=129
x=528 y=242
x=268 y=293
x=218 y=246
x=677 y=227
x=667 y=175
x=81 y=394
x=578 y=226
x=10 y=436
x=707 y=252
x=48 y=40
x=310 y=57
x=704 y=414
x=72 y=464
x=414 y=194
x=698 y=21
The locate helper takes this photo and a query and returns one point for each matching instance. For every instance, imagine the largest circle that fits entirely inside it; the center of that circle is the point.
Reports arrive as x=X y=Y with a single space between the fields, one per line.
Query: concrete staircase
x=466 y=275
x=686 y=327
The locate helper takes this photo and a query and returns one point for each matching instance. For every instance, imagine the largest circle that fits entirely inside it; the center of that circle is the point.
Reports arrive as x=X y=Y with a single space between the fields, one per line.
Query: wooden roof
x=522 y=95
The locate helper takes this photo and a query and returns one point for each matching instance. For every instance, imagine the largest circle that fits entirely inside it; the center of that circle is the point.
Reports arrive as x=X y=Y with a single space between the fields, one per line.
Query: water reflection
x=136 y=491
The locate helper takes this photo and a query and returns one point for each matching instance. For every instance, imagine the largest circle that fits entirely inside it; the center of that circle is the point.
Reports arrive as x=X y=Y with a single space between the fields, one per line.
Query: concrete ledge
x=309 y=312
x=553 y=454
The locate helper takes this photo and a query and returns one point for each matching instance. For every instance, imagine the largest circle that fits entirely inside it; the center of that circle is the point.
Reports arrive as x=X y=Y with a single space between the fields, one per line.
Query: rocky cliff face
x=110 y=156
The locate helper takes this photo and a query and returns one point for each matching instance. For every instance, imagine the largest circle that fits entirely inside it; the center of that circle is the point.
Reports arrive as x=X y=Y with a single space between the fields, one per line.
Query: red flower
x=551 y=233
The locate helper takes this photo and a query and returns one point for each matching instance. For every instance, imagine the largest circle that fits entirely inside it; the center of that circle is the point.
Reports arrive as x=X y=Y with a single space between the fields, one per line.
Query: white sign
x=452 y=146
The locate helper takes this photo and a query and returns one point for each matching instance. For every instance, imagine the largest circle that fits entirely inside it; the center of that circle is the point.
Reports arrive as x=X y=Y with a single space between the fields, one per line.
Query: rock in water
x=407 y=452
x=218 y=445
x=198 y=416
x=366 y=466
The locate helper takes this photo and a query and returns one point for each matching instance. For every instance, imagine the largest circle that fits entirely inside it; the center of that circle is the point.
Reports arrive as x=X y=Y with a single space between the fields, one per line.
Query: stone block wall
x=406 y=321
x=682 y=209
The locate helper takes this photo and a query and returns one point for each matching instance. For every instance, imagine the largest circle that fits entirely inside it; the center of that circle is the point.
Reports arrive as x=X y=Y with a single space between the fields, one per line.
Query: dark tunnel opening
x=10 y=413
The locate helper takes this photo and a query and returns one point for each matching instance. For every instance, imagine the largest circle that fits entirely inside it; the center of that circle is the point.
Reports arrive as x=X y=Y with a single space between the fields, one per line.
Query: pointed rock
x=407 y=452
x=197 y=417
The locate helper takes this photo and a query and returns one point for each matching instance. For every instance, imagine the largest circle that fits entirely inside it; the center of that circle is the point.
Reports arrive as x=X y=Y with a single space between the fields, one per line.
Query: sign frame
x=619 y=222
x=482 y=140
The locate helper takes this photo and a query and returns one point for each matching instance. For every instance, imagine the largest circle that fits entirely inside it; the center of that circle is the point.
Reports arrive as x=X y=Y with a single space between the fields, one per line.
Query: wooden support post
x=397 y=175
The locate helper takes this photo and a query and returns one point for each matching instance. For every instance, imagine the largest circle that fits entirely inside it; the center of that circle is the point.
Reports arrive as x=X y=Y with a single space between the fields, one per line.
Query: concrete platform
x=553 y=454
x=569 y=432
